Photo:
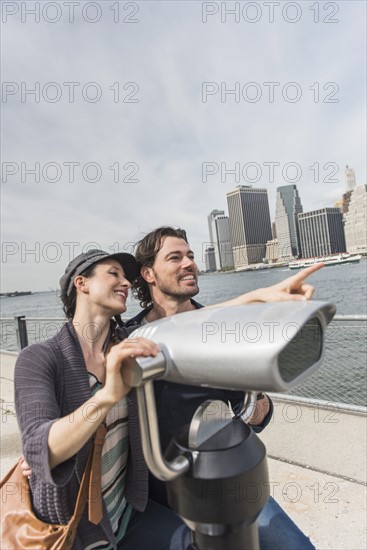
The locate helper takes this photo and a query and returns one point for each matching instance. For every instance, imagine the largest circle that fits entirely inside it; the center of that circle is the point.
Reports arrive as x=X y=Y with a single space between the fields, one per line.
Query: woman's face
x=107 y=287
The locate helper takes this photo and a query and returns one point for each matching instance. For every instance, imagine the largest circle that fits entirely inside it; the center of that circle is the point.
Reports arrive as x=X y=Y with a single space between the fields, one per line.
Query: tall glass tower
x=249 y=222
x=220 y=239
x=288 y=206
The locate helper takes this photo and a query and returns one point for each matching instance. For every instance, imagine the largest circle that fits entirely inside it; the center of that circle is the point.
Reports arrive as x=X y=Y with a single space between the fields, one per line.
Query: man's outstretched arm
x=293 y=288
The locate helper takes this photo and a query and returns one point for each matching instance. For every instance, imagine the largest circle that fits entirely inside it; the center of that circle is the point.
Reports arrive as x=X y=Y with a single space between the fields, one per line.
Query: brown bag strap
x=94 y=459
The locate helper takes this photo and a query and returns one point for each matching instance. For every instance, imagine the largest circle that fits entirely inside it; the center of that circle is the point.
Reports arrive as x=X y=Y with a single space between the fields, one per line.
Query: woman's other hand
x=26 y=471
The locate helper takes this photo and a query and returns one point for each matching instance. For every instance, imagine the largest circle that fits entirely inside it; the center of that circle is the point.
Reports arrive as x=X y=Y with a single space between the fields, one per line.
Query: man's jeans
x=278 y=532
x=158 y=528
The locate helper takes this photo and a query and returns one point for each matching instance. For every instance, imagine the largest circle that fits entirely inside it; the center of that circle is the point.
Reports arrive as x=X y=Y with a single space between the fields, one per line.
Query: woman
x=65 y=388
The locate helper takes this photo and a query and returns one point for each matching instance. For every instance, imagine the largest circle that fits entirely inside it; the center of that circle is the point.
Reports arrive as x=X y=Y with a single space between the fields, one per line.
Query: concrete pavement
x=317 y=464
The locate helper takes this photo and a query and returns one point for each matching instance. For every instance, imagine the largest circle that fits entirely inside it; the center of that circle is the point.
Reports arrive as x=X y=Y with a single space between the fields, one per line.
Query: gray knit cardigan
x=51 y=381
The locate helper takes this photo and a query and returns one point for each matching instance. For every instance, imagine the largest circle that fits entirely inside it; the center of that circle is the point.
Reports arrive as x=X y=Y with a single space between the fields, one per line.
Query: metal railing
x=342 y=377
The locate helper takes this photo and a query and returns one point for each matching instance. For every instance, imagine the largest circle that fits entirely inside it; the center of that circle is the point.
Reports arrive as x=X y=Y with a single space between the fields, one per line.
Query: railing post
x=22 y=336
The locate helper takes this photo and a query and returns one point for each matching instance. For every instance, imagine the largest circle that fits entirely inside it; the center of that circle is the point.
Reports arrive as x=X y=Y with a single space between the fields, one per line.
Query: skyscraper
x=210 y=259
x=321 y=232
x=349 y=178
x=288 y=206
x=356 y=221
x=249 y=222
x=213 y=234
x=220 y=239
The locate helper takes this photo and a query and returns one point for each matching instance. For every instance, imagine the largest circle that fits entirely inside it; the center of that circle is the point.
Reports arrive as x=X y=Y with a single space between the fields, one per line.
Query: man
x=166 y=286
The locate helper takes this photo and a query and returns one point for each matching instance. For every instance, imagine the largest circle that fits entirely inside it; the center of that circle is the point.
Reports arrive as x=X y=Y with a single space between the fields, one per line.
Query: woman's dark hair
x=145 y=254
x=69 y=302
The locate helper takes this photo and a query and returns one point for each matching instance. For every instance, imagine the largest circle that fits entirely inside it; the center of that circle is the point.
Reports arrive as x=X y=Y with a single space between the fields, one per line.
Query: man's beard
x=174 y=291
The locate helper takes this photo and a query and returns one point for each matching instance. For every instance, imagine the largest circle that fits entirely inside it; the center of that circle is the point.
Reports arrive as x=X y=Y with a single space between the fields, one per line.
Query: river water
x=344 y=285
x=342 y=377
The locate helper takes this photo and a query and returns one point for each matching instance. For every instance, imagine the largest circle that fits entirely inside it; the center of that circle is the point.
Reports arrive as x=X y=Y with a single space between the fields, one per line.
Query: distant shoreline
x=15 y=293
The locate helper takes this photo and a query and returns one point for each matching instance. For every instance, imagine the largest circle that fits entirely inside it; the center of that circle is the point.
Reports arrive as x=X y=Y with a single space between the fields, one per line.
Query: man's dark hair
x=145 y=254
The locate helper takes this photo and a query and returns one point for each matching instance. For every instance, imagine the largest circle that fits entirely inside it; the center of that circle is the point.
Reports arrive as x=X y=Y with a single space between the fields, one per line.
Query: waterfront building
x=220 y=239
x=288 y=206
x=210 y=259
x=271 y=254
x=355 y=226
x=349 y=178
x=321 y=232
x=249 y=222
x=213 y=234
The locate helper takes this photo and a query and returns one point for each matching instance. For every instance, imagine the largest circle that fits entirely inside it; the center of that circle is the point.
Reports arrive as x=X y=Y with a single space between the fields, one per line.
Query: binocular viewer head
x=257 y=347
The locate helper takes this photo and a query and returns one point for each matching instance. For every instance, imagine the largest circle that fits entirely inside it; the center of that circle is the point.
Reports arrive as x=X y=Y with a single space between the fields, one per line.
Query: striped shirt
x=114 y=463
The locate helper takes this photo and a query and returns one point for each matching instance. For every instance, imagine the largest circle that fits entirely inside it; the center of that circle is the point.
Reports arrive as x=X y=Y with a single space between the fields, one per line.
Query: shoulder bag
x=20 y=527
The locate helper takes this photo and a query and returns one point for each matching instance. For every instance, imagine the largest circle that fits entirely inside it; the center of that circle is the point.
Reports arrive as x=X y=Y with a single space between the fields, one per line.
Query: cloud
x=165 y=137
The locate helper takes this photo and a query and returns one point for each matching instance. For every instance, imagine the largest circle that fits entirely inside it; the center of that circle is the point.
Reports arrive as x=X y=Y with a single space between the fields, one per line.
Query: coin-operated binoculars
x=215 y=469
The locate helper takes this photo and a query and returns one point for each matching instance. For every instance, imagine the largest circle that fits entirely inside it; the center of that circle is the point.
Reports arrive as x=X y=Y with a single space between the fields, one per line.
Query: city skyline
x=318 y=232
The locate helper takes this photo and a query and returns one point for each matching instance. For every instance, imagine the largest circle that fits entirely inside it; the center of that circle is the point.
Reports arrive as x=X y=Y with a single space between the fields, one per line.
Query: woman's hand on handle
x=68 y=434
x=120 y=358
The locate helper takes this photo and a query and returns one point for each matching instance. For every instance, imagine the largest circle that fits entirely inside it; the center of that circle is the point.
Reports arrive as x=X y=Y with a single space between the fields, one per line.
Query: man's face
x=174 y=272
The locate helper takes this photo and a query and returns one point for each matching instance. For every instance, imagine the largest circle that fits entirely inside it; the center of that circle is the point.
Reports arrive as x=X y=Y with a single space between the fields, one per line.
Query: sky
x=147 y=113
